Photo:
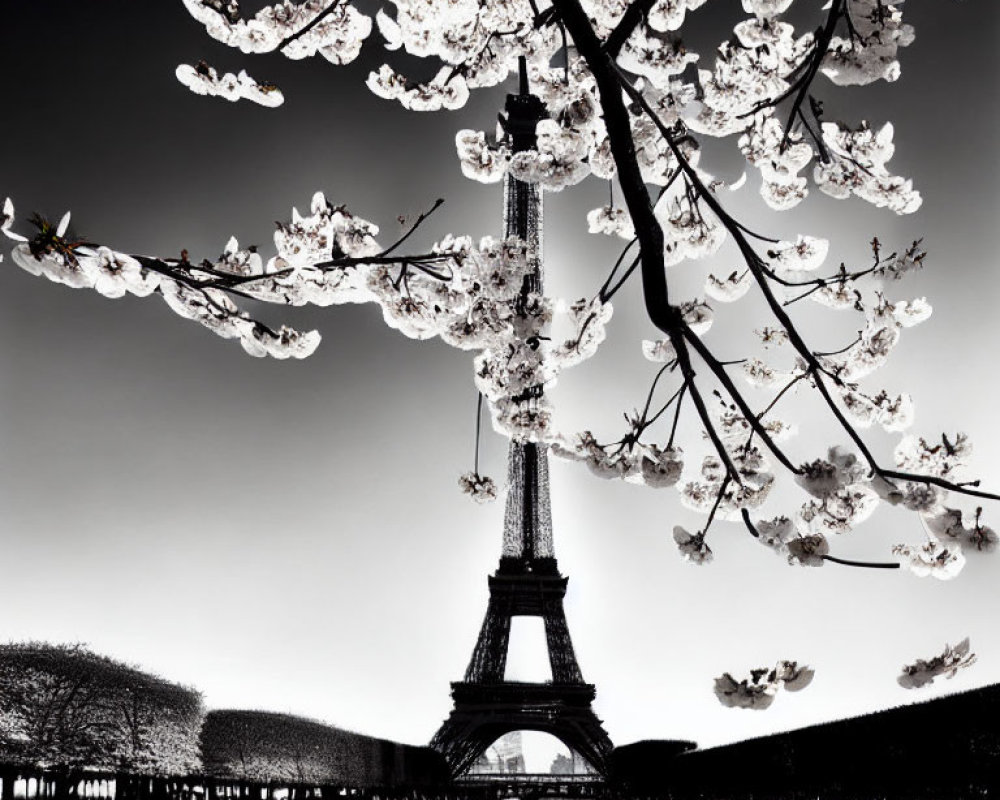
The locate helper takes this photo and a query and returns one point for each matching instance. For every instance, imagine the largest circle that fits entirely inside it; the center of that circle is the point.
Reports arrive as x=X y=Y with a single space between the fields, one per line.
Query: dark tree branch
x=866 y=564
x=962 y=488
x=616 y=119
x=715 y=506
x=479 y=422
x=734 y=392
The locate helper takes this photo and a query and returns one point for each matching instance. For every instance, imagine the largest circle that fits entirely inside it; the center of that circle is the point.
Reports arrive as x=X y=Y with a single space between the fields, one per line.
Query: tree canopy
x=63 y=705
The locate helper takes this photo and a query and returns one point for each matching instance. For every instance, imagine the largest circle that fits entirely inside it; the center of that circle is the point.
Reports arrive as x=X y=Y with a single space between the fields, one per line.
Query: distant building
x=572 y=764
x=504 y=757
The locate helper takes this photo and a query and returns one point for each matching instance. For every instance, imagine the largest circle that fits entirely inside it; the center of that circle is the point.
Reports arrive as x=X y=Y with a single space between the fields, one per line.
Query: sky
x=290 y=535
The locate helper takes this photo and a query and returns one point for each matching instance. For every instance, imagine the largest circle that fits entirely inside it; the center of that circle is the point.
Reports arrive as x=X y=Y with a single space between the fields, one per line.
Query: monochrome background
x=290 y=535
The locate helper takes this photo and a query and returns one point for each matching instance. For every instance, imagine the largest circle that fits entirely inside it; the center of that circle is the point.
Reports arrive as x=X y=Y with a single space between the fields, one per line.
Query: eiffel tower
x=527 y=581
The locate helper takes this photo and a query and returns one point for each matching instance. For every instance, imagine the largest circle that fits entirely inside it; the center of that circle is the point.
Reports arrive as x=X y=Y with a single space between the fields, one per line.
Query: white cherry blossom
x=857 y=166
x=659 y=351
x=758 y=691
x=805 y=254
x=730 y=288
x=933 y=558
x=559 y=160
x=870 y=53
x=807 y=551
x=203 y=79
x=7 y=220
x=692 y=546
x=115 y=274
x=480 y=160
x=611 y=221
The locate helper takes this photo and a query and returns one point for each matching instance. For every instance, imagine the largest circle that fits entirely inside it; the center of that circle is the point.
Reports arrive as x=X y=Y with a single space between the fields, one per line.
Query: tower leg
x=489 y=659
x=562 y=658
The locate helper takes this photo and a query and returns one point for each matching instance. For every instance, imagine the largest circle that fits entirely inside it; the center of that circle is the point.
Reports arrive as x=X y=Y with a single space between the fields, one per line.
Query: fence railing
x=27 y=783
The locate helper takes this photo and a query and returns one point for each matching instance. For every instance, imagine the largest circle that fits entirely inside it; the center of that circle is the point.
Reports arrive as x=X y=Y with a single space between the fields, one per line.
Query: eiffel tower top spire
x=527 y=539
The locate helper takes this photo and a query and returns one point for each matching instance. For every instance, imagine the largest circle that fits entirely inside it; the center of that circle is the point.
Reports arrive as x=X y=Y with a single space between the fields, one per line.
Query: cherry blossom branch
x=841 y=276
x=754 y=234
x=745 y=514
x=815 y=107
x=961 y=488
x=779 y=395
x=684 y=359
x=648 y=231
x=812 y=61
x=734 y=392
x=842 y=349
x=610 y=83
x=784 y=390
x=755 y=264
x=823 y=39
x=163 y=268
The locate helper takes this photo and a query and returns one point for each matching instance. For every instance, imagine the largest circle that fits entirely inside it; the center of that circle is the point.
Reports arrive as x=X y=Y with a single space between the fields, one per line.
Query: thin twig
x=437 y=204
x=479 y=421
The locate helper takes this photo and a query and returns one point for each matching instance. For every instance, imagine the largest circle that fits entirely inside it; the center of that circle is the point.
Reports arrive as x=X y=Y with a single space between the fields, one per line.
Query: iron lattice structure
x=527 y=581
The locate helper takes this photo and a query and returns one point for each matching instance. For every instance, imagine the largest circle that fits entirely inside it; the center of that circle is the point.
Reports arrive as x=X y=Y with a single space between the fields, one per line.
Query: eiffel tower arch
x=527 y=581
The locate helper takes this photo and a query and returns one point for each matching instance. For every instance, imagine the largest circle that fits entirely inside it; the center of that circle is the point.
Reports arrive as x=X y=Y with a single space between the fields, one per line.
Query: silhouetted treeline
x=64 y=705
x=943 y=748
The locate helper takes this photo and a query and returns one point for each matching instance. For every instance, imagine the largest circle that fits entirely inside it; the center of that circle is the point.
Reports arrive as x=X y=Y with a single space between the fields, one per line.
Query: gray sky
x=290 y=536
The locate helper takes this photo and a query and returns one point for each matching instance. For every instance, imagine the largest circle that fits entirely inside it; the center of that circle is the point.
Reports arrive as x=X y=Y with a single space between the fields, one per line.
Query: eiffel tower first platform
x=527 y=581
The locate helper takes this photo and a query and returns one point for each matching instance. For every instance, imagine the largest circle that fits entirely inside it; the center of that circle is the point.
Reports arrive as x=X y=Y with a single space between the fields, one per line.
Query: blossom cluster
x=948 y=663
x=629 y=460
x=334 y=30
x=205 y=80
x=757 y=692
x=845 y=493
x=480 y=488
